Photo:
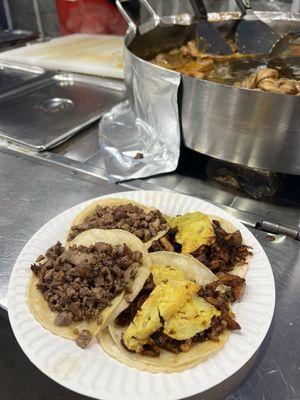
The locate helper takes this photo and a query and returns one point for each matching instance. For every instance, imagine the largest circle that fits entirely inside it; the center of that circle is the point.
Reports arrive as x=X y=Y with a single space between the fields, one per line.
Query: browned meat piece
x=54 y=251
x=63 y=319
x=232 y=325
x=225 y=253
x=236 y=284
x=231 y=239
x=128 y=217
x=174 y=346
x=161 y=341
x=84 y=338
x=156 y=246
x=80 y=282
x=166 y=243
x=35 y=268
x=139 y=156
x=218 y=326
x=235 y=288
x=151 y=349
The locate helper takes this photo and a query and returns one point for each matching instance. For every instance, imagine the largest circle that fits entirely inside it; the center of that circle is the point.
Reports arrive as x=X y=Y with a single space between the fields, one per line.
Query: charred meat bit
x=80 y=282
x=234 y=284
x=151 y=349
x=270 y=238
x=84 y=338
x=139 y=156
x=174 y=346
x=225 y=253
x=166 y=243
x=128 y=217
x=63 y=319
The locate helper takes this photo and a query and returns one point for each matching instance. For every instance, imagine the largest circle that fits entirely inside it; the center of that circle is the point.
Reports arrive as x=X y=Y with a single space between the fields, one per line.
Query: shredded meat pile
x=221 y=256
x=144 y=225
x=232 y=289
x=225 y=252
x=81 y=281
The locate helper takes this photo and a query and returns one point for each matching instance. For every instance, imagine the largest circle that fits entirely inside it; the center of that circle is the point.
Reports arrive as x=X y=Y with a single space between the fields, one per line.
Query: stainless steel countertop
x=34 y=189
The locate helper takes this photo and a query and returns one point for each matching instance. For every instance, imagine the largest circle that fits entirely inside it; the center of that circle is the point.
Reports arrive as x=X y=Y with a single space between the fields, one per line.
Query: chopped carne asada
x=220 y=293
x=129 y=217
x=79 y=282
x=221 y=256
x=84 y=338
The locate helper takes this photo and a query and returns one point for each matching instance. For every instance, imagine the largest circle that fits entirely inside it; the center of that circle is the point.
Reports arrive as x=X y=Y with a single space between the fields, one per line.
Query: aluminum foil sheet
x=141 y=136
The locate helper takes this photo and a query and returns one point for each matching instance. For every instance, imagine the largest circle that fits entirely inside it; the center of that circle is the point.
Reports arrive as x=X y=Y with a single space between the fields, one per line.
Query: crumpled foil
x=141 y=136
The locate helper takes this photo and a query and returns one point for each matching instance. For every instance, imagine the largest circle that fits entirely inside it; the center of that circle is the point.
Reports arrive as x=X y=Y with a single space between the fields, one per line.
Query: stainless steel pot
x=260 y=130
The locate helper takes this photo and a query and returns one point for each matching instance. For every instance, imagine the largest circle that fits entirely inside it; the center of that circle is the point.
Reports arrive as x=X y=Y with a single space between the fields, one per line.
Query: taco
x=74 y=292
x=214 y=241
x=181 y=317
x=147 y=223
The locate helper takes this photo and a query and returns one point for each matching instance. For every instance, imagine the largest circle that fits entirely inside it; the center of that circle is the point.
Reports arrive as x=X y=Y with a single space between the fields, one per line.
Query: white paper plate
x=91 y=372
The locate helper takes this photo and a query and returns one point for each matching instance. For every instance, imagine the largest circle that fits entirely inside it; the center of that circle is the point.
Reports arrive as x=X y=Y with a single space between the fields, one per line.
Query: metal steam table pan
x=13 y=75
x=43 y=114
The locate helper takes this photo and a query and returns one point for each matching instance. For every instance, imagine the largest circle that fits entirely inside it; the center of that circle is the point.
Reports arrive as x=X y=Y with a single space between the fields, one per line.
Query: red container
x=89 y=16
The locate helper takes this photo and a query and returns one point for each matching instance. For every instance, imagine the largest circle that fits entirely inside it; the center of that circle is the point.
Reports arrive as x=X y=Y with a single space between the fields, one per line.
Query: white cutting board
x=100 y=55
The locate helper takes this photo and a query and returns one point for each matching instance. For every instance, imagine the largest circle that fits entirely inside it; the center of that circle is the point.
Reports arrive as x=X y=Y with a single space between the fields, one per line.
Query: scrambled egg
x=166 y=273
x=173 y=305
x=164 y=302
x=194 y=230
x=194 y=317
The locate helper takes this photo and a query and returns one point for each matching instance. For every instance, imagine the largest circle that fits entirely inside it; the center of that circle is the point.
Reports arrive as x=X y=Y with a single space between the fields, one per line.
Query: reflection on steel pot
x=256 y=129
x=257 y=183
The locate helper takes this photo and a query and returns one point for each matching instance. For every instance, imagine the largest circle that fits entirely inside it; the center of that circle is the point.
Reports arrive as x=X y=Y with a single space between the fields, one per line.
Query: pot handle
x=130 y=22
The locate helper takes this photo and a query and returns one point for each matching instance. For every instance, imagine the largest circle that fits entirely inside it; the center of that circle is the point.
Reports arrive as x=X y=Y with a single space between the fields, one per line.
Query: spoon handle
x=199 y=9
x=245 y=5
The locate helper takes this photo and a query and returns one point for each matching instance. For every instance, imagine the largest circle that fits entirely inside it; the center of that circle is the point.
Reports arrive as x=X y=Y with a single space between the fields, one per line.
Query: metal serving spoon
x=208 y=37
x=252 y=35
x=282 y=44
